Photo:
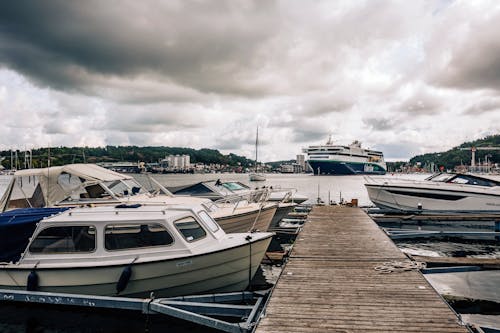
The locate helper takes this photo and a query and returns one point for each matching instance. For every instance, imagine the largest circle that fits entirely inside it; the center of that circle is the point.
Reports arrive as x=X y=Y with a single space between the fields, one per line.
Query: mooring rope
x=399 y=266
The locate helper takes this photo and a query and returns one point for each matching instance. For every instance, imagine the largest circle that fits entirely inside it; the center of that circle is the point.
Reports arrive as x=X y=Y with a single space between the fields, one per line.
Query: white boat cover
x=48 y=178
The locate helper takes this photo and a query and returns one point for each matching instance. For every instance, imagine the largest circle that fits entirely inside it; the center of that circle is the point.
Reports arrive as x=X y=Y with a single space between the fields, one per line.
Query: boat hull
x=283 y=210
x=412 y=199
x=255 y=220
x=345 y=168
x=222 y=271
x=256 y=177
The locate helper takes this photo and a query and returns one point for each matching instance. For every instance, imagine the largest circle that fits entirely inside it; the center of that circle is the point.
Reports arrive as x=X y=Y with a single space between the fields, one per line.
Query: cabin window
x=190 y=229
x=131 y=236
x=68 y=239
x=94 y=191
x=26 y=193
x=71 y=184
x=209 y=222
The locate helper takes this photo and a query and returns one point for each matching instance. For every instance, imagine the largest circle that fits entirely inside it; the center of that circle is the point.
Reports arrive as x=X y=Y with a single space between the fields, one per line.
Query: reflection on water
x=451 y=247
x=15 y=318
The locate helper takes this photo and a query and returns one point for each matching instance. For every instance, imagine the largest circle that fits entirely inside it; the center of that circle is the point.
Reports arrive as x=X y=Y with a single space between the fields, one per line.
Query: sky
x=403 y=77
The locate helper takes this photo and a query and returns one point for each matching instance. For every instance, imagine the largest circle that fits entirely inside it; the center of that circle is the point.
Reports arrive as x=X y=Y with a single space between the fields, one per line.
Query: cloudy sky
x=405 y=77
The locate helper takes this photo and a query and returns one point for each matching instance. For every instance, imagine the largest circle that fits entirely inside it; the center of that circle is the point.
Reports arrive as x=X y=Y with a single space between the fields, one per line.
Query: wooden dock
x=330 y=283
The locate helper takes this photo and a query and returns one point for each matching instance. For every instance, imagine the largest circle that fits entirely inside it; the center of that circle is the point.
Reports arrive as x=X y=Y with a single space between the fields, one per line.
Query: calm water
x=347 y=187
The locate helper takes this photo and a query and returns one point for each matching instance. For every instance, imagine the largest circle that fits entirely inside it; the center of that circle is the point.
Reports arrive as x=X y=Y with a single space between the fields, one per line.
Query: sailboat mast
x=256 y=147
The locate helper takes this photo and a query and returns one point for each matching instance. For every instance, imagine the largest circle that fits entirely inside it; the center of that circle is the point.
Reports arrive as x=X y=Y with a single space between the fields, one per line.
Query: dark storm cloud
x=399 y=150
x=475 y=61
x=154 y=119
x=229 y=144
x=69 y=45
x=421 y=102
x=309 y=135
x=483 y=106
x=328 y=105
x=380 y=124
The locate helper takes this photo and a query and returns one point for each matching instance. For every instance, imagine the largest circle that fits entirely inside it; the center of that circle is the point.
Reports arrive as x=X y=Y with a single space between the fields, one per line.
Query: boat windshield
x=234 y=186
x=441 y=177
x=124 y=187
x=464 y=179
x=190 y=229
x=474 y=180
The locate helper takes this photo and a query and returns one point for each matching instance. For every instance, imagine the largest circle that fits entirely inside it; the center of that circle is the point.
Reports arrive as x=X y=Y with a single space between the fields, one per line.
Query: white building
x=301 y=161
x=176 y=162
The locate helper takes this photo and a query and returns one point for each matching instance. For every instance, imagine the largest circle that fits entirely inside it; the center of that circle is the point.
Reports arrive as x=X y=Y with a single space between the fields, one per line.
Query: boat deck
x=330 y=283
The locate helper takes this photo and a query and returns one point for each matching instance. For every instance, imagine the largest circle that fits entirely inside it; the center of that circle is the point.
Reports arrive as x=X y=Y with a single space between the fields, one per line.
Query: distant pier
x=333 y=282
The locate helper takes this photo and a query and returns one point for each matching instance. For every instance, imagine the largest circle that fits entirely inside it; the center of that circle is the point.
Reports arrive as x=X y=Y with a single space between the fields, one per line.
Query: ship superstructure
x=331 y=159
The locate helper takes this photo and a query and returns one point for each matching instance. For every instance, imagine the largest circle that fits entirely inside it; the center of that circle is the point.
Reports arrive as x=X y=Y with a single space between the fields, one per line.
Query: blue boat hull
x=345 y=168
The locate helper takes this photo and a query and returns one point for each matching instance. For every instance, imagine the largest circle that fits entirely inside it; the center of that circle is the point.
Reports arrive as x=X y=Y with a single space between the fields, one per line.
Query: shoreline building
x=176 y=162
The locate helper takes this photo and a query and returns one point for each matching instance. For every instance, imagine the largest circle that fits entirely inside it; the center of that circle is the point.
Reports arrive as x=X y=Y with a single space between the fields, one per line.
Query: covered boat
x=286 y=199
x=133 y=251
x=442 y=192
x=88 y=184
x=218 y=189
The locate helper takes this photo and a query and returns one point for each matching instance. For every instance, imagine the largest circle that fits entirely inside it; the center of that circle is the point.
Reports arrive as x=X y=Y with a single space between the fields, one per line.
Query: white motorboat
x=443 y=192
x=88 y=184
x=133 y=251
x=256 y=177
x=219 y=189
x=286 y=199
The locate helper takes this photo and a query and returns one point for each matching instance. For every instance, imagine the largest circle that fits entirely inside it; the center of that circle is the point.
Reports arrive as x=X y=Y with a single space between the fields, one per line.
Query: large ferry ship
x=330 y=159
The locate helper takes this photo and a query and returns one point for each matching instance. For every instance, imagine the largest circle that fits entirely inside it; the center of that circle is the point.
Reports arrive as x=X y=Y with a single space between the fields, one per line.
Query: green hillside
x=66 y=155
x=453 y=157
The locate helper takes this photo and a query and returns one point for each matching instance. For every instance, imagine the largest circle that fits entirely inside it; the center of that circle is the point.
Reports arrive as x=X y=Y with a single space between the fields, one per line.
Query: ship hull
x=345 y=168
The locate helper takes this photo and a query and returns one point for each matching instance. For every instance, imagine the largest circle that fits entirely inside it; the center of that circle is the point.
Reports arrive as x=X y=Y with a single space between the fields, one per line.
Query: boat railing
x=290 y=191
x=256 y=196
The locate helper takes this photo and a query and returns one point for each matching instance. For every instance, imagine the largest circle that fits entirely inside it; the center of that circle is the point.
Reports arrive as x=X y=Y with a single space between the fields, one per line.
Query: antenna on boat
x=329 y=142
x=48 y=176
x=256 y=147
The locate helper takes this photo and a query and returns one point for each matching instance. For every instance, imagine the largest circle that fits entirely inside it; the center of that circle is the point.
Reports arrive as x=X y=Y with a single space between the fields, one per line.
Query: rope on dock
x=399 y=266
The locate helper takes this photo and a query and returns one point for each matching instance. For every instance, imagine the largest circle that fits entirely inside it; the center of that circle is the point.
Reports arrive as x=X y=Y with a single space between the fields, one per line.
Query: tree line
x=455 y=156
x=67 y=155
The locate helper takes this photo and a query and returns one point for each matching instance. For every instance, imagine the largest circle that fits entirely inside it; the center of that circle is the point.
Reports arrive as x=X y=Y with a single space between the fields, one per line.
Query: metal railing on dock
x=199 y=309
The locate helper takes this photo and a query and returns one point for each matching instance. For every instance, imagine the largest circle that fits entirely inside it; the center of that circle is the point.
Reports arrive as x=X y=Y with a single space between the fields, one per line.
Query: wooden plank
x=330 y=283
x=463 y=261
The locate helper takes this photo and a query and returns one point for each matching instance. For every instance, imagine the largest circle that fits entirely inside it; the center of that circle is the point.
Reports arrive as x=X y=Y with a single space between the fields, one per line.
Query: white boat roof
x=86 y=171
x=48 y=178
x=107 y=214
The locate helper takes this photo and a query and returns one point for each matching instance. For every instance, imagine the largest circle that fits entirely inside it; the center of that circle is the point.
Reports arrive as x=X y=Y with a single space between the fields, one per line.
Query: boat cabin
x=106 y=234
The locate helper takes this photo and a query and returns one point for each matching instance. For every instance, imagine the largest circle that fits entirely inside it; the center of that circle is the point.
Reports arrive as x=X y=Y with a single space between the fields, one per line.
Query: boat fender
x=32 y=282
x=124 y=278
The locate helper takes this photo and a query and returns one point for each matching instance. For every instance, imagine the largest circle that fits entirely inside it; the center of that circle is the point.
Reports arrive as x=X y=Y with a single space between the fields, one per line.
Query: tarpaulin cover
x=17 y=226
